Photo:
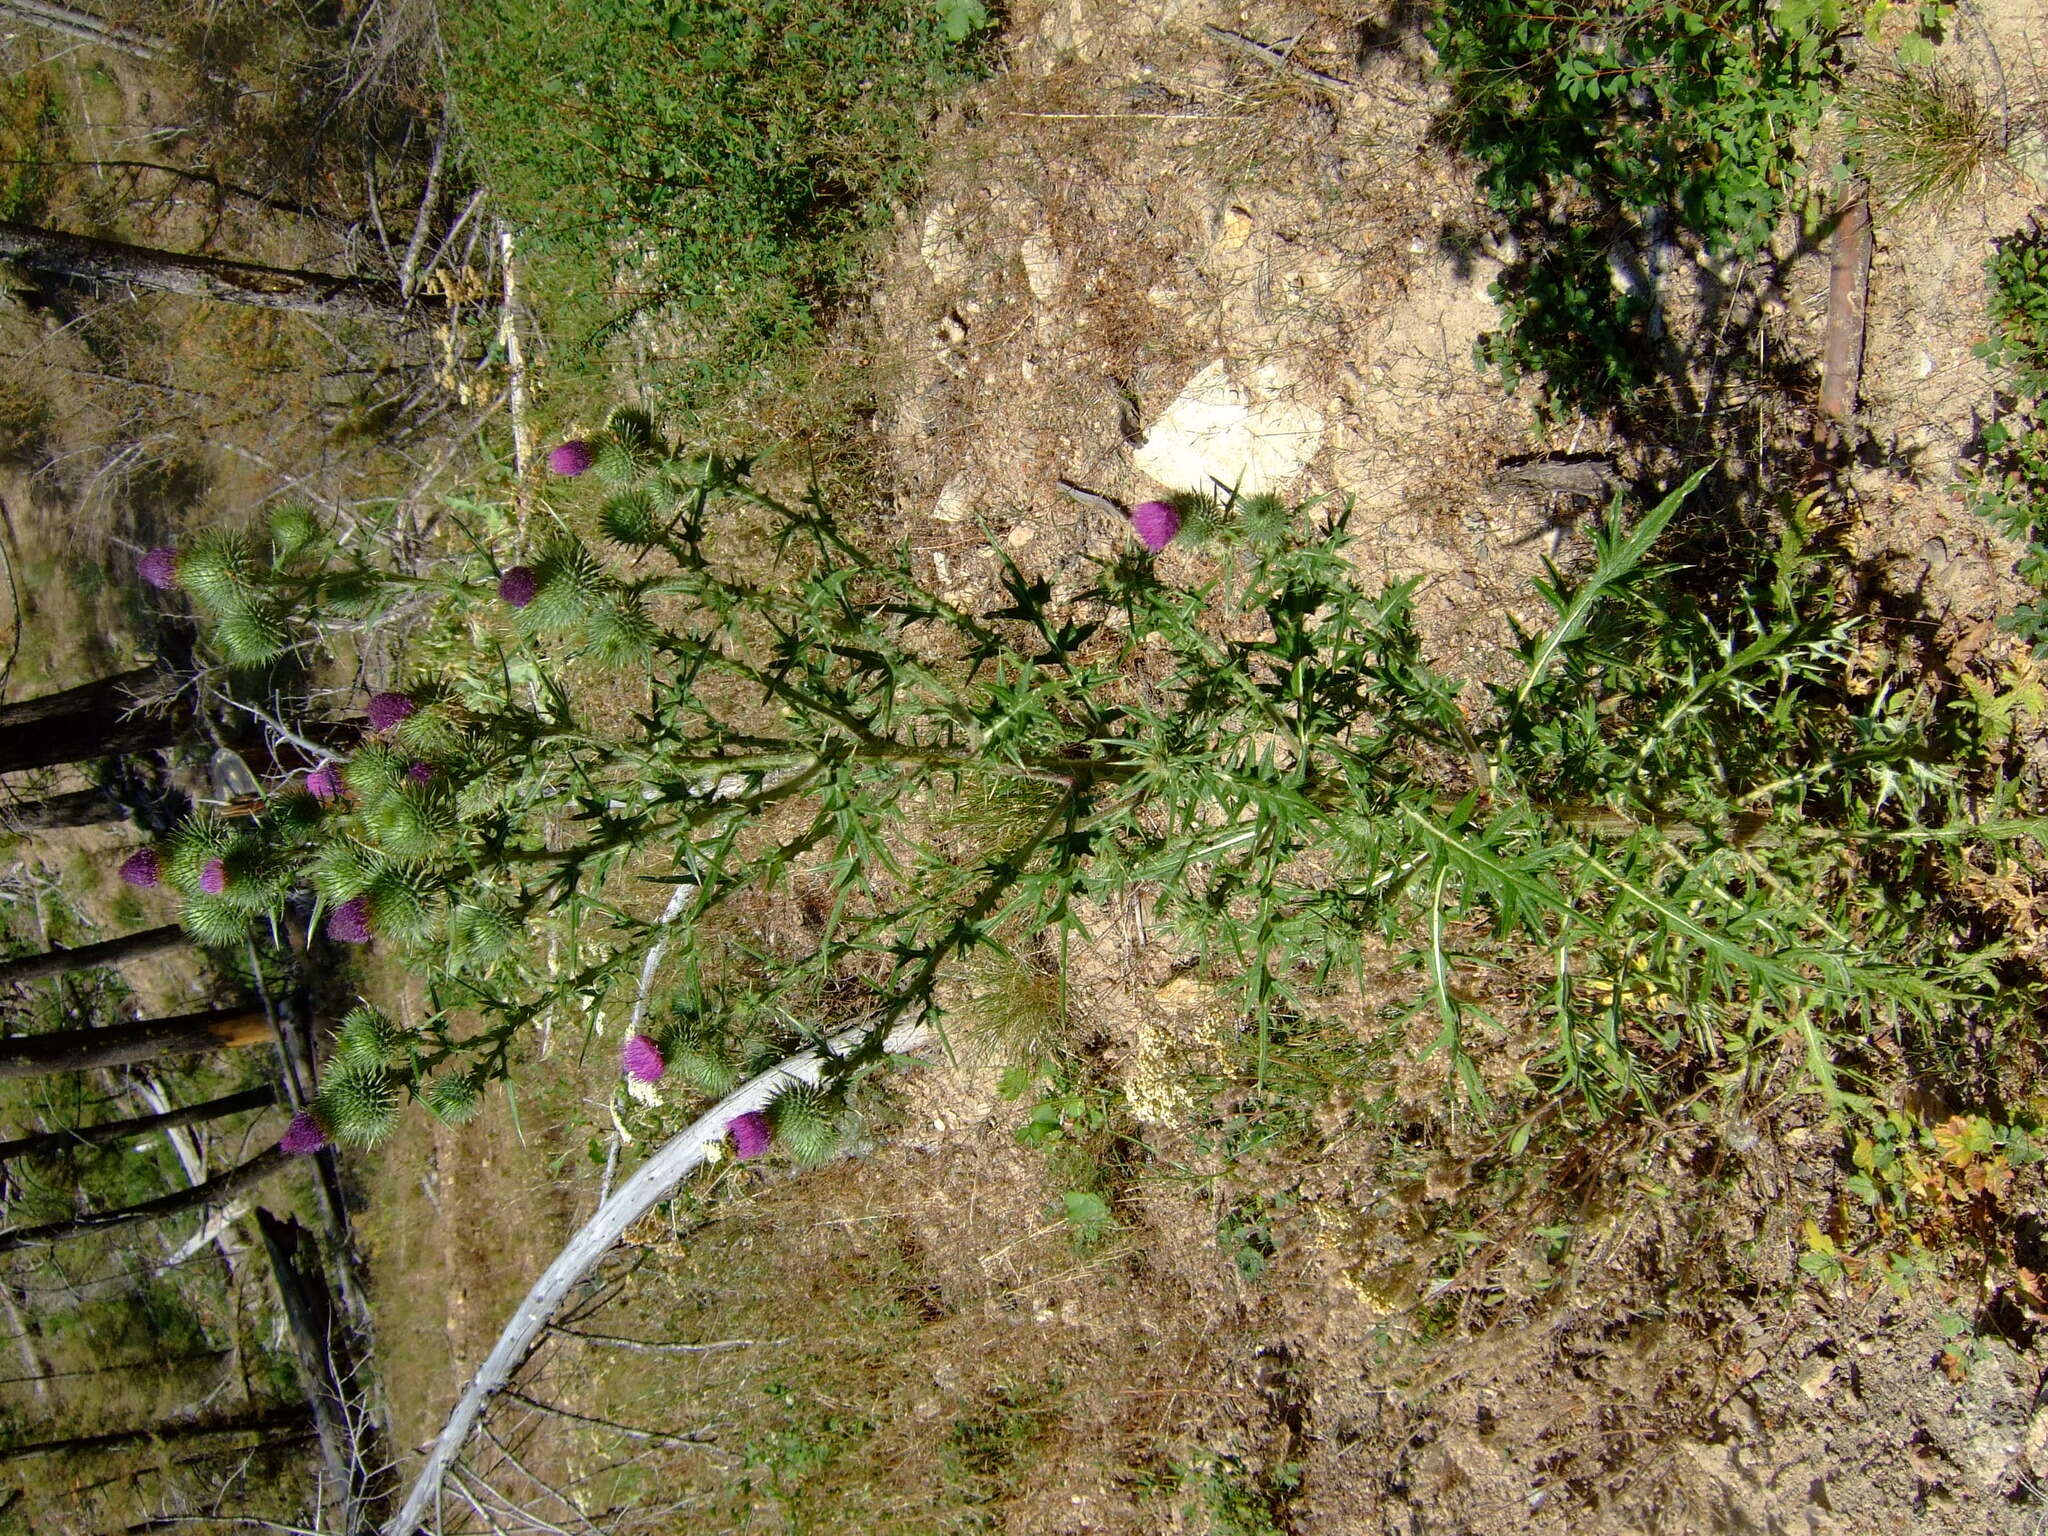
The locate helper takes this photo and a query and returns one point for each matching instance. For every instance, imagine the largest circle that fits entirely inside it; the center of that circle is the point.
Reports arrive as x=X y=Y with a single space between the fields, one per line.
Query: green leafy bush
x=718 y=161
x=1589 y=119
x=2010 y=486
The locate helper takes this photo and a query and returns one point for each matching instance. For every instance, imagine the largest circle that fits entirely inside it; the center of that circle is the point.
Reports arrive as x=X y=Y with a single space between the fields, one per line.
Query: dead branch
x=1282 y=59
x=1848 y=291
x=649 y=1185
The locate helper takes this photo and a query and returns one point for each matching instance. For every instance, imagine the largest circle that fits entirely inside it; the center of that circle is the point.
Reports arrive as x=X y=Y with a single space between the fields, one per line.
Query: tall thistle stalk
x=1650 y=811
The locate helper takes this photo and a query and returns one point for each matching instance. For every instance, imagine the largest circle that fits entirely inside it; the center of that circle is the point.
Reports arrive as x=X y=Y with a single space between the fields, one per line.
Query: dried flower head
x=324 y=783
x=159 y=567
x=641 y=1060
x=751 y=1133
x=1155 y=523
x=304 y=1136
x=518 y=585
x=571 y=458
x=349 y=923
x=388 y=709
x=143 y=868
x=213 y=877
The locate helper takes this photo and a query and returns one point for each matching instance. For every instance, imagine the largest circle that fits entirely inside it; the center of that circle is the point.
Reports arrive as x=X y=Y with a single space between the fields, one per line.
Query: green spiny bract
x=703 y=1068
x=572 y=582
x=252 y=635
x=621 y=631
x=802 y=1118
x=192 y=844
x=214 y=921
x=219 y=569
x=481 y=931
x=629 y=518
x=341 y=872
x=354 y=593
x=453 y=1100
x=358 y=1102
x=293 y=530
x=413 y=822
x=375 y=771
x=407 y=900
x=436 y=726
x=369 y=1038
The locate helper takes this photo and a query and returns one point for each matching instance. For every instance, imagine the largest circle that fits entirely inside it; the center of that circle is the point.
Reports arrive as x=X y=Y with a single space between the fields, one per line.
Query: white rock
x=1043 y=269
x=1251 y=436
x=956 y=501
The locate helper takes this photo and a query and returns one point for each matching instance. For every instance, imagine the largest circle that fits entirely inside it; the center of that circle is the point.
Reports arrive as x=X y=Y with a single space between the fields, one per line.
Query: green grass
x=718 y=168
x=2010 y=482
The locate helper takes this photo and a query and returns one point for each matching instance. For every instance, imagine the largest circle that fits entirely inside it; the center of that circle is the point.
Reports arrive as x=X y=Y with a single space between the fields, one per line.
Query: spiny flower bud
x=1155 y=523
x=159 y=567
x=388 y=709
x=324 y=783
x=420 y=773
x=213 y=876
x=751 y=1133
x=304 y=1136
x=641 y=1060
x=571 y=458
x=518 y=585
x=349 y=923
x=142 y=868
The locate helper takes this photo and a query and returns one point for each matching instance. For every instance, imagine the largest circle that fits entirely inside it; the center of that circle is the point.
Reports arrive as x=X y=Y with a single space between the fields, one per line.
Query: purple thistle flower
x=388 y=709
x=159 y=567
x=324 y=783
x=213 y=877
x=751 y=1133
x=349 y=923
x=304 y=1136
x=420 y=773
x=1155 y=523
x=641 y=1060
x=142 y=868
x=518 y=585
x=571 y=458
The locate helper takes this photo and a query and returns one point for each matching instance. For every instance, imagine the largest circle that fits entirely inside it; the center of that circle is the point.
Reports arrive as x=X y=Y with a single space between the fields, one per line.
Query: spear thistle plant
x=1676 y=840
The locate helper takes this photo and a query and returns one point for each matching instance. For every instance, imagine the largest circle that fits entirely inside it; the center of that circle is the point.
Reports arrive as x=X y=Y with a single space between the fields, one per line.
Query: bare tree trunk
x=207 y=277
x=85 y=27
x=96 y=719
x=58 y=962
x=137 y=1125
x=114 y=1045
x=322 y=1357
x=215 y=1191
x=74 y=808
x=175 y=1429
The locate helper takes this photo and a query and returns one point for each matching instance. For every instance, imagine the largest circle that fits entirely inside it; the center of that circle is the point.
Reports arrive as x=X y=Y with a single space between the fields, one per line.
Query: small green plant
x=2010 y=483
x=1923 y=138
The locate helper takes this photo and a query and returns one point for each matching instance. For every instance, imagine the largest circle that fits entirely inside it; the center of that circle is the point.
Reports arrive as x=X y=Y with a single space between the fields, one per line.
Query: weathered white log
x=647 y=1188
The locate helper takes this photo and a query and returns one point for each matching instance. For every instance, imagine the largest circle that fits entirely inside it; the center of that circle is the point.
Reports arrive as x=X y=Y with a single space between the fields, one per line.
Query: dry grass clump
x=1924 y=137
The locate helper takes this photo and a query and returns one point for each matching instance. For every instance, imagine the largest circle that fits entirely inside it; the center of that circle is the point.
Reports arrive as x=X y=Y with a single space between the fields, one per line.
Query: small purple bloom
x=304 y=1136
x=159 y=567
x=518 y=585
x=1155 y=523
x=349 y=923
x=641 y=1060
x=213 y=877
x=142 y=868
x=387 y=709
x=324 y=783
x=751 y=1133
x=571 y=458
x=420 y=773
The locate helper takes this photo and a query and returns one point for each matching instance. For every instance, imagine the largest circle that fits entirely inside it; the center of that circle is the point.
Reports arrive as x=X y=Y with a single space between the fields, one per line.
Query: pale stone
x=956 y=501
x=1251 y=437
x=1043 y=269
x=1021 y=535
x=943 y=246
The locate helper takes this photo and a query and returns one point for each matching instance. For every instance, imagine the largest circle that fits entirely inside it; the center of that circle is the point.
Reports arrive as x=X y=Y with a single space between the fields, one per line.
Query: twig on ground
x=1280 y=58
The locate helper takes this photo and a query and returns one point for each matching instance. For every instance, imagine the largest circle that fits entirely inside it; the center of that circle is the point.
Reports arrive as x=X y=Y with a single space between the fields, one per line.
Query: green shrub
x=2010 y=484
x=716 y=162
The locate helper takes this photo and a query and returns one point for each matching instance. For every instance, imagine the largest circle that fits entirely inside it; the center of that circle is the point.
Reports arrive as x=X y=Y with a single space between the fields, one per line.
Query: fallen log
x=648 y=1186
